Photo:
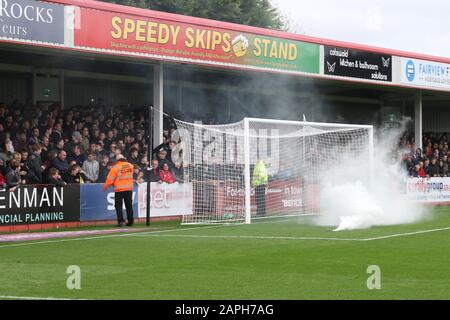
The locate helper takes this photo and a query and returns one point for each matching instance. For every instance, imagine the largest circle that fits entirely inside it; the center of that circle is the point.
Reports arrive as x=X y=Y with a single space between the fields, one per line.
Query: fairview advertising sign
x=431 y=190
x=425 y=73
x=40 y=204
x=357 y=64
x=32 y=20
x=164 y=39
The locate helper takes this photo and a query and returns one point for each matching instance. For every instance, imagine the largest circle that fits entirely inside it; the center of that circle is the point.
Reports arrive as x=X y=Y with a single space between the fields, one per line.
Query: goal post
x=259 y=168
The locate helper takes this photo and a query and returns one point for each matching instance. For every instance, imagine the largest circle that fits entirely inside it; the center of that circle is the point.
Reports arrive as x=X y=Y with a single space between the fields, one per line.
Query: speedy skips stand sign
x=32 y=20
x=357 y=64
x=39 y=205
x=162 y=39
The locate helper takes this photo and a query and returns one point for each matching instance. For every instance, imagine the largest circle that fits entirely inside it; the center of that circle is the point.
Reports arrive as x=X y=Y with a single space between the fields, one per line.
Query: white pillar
x=418 y=119
x=158 y=103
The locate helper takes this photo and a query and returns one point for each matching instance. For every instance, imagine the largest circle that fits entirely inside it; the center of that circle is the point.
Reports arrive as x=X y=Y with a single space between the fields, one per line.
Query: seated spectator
x=166 y=175
x=54 y=178
x=91 y=167
x=60 y=162
x=13 y=179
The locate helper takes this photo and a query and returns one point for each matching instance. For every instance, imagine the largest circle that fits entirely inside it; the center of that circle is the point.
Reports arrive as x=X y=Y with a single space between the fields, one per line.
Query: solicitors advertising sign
x=425 y=73
x=32 y=20
x=39 y=204
x=357 y=64
x=164 y=39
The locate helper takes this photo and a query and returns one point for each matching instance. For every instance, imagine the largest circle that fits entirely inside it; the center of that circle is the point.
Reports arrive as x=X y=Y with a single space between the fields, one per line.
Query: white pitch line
x=35 y=298
x=249 y=237
x=296 y=238
x=100 y=237
x=158 y=233
x=406 y=234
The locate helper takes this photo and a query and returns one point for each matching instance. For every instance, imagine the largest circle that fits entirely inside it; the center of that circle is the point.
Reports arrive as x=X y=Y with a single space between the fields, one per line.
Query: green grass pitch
x=271 y=259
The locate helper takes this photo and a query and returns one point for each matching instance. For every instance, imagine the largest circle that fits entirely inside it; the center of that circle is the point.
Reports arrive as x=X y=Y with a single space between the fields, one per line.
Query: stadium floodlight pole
x=149 y=158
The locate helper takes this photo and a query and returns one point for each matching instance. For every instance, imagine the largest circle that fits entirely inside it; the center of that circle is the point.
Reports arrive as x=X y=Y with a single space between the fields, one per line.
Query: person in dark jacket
x=60 y=162
x=34 y=164
x=433 y=169
x=12 y=178
x=152 y=174
x=54 y=178
x=104 y=168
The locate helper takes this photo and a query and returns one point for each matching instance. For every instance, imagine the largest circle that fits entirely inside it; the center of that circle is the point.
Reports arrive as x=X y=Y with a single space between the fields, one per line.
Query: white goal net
x=263 y=168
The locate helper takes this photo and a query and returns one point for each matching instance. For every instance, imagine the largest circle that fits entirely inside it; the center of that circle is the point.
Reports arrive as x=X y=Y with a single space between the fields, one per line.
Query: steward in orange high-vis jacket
x=121 y=177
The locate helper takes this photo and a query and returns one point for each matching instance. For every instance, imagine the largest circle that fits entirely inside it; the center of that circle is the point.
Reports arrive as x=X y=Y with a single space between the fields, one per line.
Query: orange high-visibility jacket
x=120 y=176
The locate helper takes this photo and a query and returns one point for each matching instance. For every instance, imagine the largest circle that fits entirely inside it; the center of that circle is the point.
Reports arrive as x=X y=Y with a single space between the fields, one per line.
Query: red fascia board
x=242 y=28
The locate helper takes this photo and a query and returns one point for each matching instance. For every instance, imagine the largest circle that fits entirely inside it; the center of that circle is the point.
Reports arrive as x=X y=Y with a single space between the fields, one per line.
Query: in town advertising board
x=357 y=64
x=39 y=204
x=425 y=73
x=172 y=40
x=32 y=20
x=166 y=199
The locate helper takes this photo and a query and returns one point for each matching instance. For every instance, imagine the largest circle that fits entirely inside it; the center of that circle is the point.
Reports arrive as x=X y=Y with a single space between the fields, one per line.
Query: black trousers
x=127 y=197
x=260 y=194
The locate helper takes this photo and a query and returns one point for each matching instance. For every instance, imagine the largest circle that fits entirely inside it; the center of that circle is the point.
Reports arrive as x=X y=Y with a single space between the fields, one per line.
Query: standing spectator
x=34 y=139
x=443 y=168
x=152 y=174
x=34 y=164
x=85 y=139
x=418 y=172
x=54 y=178
x=60 y=162
x=166 y=175
x=77 y=155
x=91 y=167
x=12 y=178
x=433 y=169
x=104 y=167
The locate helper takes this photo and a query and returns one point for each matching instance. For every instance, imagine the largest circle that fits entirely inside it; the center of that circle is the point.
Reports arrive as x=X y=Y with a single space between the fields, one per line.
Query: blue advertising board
x=32 y=20
x=97 y=205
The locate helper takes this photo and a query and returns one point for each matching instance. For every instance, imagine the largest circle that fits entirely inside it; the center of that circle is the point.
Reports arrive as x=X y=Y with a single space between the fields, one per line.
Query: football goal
x=260 y=168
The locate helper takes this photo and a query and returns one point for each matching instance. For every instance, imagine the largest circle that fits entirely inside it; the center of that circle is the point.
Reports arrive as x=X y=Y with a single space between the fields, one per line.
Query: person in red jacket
x=166 y=175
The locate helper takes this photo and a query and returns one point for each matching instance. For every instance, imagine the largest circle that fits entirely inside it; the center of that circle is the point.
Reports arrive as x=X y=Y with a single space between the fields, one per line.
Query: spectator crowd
x=433 y=160
x=48 y=145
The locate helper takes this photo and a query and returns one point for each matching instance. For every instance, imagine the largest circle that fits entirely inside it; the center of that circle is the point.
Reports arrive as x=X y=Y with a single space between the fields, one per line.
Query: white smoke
x=350 y=201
